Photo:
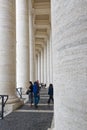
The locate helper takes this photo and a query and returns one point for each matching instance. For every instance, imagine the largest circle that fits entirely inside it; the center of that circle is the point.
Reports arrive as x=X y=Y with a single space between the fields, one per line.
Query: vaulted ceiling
x=41 y=21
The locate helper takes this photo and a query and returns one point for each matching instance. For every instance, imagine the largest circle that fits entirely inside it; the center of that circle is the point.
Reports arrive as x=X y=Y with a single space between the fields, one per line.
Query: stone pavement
x=30 y=118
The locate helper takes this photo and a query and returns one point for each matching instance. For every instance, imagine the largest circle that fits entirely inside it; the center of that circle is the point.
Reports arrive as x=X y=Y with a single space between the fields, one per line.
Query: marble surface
x=69 y=38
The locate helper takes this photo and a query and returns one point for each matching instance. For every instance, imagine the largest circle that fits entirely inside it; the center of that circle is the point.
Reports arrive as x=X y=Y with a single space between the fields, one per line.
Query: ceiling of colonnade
x=41 y=21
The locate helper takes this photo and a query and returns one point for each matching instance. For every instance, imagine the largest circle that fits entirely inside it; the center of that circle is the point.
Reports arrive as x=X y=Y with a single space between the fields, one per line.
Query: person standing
x=36 y=94
x=30 y=93
x=50 y=93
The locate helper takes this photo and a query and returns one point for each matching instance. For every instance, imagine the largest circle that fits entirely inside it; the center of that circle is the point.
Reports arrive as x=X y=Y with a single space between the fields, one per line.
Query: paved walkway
x=30 y=118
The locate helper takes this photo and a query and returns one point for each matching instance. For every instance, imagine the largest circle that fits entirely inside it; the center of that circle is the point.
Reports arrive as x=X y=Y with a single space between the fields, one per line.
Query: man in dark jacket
x=50 y=93
x=36 y=94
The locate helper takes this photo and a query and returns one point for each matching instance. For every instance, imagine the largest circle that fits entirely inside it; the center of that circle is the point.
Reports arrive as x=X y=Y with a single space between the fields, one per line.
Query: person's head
x=51 y=85
x=30 y=82
x=37 y=82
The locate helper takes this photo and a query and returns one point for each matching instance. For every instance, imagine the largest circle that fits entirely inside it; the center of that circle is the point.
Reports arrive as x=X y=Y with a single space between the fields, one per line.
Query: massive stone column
x=45 y=63
x=22 y=36
x=33 y=54
x=36 y=67
x=42 y=66
x=39 y=67
x=69 y=38
x=51 y=60
x=31 y=44
x=8 y=50
x=48 y=62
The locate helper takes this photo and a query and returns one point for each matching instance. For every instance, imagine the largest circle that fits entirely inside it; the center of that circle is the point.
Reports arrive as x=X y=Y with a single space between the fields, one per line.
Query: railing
x=4 y=99
x=19 y=92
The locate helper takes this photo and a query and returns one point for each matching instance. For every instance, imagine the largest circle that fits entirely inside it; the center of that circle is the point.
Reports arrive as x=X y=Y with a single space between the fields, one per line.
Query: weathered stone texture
x=69 y=37
x=7 y=49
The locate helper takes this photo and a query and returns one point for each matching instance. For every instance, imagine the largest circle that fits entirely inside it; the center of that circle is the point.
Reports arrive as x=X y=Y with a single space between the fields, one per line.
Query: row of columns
x=17 y=49
x=44 y=63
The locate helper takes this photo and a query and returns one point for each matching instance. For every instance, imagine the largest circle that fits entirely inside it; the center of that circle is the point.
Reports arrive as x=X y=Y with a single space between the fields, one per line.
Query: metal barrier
x=4 y=99
x=19 y=92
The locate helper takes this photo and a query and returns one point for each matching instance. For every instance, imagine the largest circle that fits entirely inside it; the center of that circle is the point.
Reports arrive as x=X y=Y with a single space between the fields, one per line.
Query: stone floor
x=30 y=118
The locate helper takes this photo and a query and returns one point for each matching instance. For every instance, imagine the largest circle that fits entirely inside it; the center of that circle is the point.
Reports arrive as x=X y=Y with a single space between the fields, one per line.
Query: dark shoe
x=36 y=106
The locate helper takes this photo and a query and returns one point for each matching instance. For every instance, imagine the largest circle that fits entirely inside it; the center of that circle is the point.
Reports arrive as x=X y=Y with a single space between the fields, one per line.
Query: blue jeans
x=36 y=99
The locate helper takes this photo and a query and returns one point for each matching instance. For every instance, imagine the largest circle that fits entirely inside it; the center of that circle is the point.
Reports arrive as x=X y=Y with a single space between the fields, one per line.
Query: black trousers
x=50 y=98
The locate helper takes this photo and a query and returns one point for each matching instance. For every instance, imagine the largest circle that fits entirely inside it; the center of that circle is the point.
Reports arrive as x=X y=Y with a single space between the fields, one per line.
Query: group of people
x=34 y=93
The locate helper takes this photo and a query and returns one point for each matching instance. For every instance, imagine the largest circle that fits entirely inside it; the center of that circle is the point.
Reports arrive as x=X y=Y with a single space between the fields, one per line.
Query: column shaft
x=31 y=44
x=70 y=63
x=39 y=67
x=22 y=36
x=36 y=68
x=45 y=63
x=48 y=63
x=8 y=50
x=51 y=60
x=42 y=66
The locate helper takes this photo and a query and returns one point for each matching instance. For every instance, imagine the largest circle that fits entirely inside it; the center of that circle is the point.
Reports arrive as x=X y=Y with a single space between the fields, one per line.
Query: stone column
x=22 y=36
x=48 y=62
x=51 y=60
x=31 y=43
x=42 y=66
x=39 y=67
x=45 y=63
x=8 y=50
x=36 y=67
x=69 y=39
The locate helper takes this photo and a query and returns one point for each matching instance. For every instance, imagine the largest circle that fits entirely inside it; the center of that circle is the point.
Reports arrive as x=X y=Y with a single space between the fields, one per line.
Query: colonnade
x=18 y=60
x=43 y=62
x=61 y=59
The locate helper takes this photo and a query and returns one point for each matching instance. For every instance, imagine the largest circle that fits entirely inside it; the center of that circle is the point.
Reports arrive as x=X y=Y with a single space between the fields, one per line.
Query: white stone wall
x=69 y=39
